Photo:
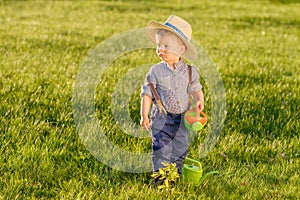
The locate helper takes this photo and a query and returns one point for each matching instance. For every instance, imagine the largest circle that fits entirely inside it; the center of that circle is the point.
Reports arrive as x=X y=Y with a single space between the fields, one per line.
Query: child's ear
x=182 y=49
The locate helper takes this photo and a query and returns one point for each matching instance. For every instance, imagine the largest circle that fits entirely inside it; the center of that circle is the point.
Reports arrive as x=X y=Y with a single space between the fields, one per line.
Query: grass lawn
x=254 y=45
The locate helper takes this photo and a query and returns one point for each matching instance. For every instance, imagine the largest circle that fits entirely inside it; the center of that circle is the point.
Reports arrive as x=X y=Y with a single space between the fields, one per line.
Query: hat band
x=177 y=30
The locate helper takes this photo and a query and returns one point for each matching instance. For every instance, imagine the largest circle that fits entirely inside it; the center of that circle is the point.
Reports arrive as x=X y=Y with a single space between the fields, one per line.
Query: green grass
x=254 y=44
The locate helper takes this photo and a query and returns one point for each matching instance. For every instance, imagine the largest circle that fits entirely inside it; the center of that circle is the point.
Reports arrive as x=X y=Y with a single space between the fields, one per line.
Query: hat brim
x=153 y=26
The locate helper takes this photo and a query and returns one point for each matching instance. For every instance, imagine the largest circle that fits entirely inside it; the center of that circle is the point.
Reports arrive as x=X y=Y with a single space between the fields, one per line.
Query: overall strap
x=157 y=99
x=190 y=97
x=190 y=73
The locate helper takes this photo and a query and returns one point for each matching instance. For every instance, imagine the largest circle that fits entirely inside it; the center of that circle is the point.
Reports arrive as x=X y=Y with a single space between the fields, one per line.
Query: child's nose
x=161 y=48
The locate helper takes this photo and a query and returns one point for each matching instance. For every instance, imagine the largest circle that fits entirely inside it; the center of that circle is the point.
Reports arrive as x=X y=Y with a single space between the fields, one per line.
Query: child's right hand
x=145 y=123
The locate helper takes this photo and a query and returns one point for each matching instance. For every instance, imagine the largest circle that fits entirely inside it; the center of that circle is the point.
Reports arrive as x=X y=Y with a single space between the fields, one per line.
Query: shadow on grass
x=115 y=177
x=284 y=1
x=255 y=21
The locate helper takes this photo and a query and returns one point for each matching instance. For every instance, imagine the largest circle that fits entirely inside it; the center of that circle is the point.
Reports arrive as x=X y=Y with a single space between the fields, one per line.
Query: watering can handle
x=204 y=115
x=195 y=161
x=198 y=112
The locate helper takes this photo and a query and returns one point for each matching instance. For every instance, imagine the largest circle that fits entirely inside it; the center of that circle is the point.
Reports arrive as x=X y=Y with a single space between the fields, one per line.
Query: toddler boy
x=169 y=79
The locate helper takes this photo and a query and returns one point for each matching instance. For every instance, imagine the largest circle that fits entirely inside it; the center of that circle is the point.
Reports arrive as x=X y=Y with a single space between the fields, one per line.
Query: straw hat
x=179 y=27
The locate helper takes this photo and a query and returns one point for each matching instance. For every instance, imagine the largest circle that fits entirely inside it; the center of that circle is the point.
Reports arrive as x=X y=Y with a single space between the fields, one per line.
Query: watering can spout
x=207 y=175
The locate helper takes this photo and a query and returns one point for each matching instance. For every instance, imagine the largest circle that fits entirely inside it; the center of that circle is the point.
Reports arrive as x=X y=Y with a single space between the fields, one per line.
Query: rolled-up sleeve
x=195 y=85
x=145 y=90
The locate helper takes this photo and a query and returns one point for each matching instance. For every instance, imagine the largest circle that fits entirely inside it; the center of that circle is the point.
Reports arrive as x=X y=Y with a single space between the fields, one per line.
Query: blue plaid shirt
x=172 y=86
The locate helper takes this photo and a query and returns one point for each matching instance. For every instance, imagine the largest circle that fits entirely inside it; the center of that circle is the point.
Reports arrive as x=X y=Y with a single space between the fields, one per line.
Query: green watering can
x=193 y=173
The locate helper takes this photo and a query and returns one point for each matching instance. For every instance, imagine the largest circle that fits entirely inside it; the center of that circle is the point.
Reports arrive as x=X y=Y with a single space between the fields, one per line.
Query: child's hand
x=200 y=105
x=145 y=123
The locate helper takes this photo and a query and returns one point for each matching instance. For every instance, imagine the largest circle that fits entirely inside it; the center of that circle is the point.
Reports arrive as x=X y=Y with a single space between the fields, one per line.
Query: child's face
x=169 y=48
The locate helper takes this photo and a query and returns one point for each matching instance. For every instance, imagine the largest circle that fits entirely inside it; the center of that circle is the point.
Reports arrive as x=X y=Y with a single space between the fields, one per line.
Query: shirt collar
x=178 y=65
